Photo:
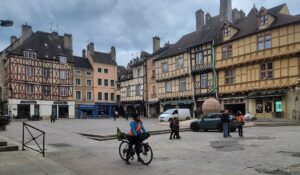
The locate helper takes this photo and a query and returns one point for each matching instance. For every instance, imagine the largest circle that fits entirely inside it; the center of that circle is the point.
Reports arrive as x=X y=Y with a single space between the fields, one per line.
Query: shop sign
x=60 y=103
x=28 y=102
x=278 y=106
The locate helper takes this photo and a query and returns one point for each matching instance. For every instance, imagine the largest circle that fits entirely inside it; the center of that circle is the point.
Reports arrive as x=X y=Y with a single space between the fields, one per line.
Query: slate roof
x=45 y=45
x=80 y=62
x=121 y=71
x=249 y=25
x=105 y=58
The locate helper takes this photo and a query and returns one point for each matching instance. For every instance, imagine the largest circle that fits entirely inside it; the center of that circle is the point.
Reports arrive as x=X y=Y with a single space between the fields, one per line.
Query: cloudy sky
x=129 y=25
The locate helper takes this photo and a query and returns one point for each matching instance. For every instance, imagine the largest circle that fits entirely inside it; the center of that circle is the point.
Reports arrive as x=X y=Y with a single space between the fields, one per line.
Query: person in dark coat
x=52 y=117
x=176 y=128
x=172 y=129
x=225 y=122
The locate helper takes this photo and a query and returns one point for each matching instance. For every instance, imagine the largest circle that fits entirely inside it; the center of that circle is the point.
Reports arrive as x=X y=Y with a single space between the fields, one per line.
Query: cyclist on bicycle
x=136 y=130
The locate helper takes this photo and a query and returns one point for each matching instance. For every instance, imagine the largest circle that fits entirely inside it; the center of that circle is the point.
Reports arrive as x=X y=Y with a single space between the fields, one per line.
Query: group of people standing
x=226 y=121
x=174 y=126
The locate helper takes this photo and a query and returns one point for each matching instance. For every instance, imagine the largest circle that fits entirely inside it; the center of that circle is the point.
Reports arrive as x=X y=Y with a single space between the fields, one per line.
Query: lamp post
x=6 y=23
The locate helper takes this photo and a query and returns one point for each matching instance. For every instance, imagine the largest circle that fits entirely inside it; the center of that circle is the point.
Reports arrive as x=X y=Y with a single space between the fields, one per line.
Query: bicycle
x=145 y=150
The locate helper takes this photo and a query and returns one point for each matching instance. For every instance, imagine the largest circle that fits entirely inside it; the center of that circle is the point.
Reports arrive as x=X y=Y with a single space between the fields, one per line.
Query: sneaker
x=127 y=162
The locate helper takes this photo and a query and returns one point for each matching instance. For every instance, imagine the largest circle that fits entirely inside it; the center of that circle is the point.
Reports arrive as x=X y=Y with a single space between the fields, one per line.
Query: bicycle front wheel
x=123 y=149
x=146 y=154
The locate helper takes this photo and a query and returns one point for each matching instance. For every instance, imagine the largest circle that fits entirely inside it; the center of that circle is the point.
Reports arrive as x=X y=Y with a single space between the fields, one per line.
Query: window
x=63 y=91
x=138 y=90
x=264 y=20
x=259 y=105
x=99 y=82
x=63 y=74
x=227 y=31
x=46 y=72
x=203 y=82
x=112 y=96
x=99 y=96
x=227 y=51
x=89 y=83
x=78 y=81
x=89 y=95
x=229 y=77
x=46 y=90
x=29 y=89
x=266 y=71
x=182 y=86
x=138 y=72
x=153 y=90
x=78 y=72
x=168 y=86
x=29 y=71
x=106 y=71
x=62 y=59
x=180 y=63
x=99 y=70
x=89 y=73
x=78 y=95
x=118 y=98
x=29 y=54
x=106 y=96
x=165 y=67
x=153 y=74
x=264 y=42
x=199 y=58
x=112 y=83
x=128 y=91
x=268 y=105
x=106 y=82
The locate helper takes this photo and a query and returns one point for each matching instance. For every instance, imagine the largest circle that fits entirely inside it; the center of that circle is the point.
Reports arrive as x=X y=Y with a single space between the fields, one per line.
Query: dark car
x=213 y=122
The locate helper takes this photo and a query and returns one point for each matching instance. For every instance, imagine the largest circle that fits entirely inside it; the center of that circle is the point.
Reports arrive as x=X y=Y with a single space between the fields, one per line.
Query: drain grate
x=60 y=145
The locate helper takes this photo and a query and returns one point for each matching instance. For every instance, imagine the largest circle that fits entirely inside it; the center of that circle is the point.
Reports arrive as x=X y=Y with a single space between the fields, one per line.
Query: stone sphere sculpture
x=211 y=105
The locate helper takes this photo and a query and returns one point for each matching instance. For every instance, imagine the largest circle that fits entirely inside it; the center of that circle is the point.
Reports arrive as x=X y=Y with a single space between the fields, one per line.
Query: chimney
x=83 y=53
x=156 y=43
x=68 y=41
x=199 y=19
x=90 y=48
x=113 y=53
x=26 y=30
x=225 y=10
x=13 y=39
x=207 y=17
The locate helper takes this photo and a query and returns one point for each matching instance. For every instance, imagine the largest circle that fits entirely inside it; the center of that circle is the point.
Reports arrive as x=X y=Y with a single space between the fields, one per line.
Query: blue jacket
x=133 y=127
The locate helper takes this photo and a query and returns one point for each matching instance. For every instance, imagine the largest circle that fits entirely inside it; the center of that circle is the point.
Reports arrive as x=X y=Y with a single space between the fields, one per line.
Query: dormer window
x=62 y=59
x=29 y=54
x=264 y=20
x=227 y=31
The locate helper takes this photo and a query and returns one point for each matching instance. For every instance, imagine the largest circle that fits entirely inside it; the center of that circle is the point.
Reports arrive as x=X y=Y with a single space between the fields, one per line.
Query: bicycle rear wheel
x=146 y=154
x=123 y=149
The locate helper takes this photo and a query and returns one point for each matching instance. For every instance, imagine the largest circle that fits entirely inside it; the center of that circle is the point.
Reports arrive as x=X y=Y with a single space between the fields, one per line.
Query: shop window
x=259 y=106
x=268 y=105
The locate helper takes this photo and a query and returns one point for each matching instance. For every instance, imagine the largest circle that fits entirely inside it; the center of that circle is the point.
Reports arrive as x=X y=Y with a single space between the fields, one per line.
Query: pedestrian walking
x=176 y=128
x=240 y=120
x=225 y=123
x=115 y=115
x=52 y=118
x=126 y=115
x=172 y=128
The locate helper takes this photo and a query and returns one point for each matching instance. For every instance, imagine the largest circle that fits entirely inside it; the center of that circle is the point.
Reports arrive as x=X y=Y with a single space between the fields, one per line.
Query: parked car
x=249 y=117
x=182 y=114
x=213 y=122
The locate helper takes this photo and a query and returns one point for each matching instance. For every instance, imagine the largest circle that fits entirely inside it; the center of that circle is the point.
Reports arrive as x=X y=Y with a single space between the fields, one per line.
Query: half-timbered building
x=38 y=70
x=257 y=60
x=133 y=86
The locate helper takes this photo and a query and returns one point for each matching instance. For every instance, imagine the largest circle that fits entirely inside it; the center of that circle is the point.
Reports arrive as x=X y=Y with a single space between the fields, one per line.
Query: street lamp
x=6 y=23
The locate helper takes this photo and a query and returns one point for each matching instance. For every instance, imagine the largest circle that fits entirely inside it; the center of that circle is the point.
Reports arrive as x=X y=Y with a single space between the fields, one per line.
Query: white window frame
x=87 y=84
x=165 y=67
x=63 y=74
x=168 y=86
x=89 y=72
x=45 y=89
x=204 y=81
x=182 y=84
x=29 y=89
x=63 y=91
x=91 y=95
x=199 y=58
x=77 y=72
x=178 y=65
x=76 y=95
x=78 y=84
x=46 y=72
x=29 y=71
x=29 y=54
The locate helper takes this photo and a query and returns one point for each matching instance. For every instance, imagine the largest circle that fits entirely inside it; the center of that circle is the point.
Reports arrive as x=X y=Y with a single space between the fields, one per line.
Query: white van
x=182 y=114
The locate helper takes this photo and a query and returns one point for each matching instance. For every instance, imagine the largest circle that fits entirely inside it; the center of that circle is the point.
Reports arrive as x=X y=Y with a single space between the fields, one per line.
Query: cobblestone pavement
x=263 y=150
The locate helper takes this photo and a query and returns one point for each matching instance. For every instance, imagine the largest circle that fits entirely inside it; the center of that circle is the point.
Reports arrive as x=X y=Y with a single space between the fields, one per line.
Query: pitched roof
x=46 y=45
x=249 y=25
x=121 y=71
x=105 y=58
x=80 y=62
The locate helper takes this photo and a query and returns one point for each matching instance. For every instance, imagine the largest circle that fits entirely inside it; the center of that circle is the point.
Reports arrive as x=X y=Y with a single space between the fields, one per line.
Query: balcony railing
x=202 y=67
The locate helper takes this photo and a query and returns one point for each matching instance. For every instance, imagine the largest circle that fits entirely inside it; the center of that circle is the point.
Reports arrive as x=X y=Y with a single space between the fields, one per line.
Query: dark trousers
x=133 y=141
x=240 y=128
x=172 y=135
x=52 y=119
x=176 y=134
